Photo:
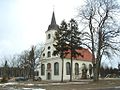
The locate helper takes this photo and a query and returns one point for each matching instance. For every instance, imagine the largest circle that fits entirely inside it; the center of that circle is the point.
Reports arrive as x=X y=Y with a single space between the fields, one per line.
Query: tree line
x=23 y=64
x=109 y=72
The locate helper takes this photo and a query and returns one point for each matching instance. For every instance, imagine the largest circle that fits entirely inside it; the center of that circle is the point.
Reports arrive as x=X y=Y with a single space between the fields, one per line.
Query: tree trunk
x=62 y=69
x=71 y=69
x=96 y=74
x=97 y=70
x=98 y=59
x=32 y=68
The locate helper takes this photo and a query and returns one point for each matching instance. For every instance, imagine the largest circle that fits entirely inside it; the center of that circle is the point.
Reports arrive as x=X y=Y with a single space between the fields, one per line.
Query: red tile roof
x=86 y=55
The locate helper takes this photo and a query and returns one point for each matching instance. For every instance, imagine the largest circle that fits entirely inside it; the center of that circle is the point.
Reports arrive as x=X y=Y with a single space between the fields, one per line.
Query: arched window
x=76 y=69
x=49 y=36
x=48 y=66
x=49 y=54
x=42 y=69
x=67 y=68
x=90 y=66
x=84 y=66
x=56 y=68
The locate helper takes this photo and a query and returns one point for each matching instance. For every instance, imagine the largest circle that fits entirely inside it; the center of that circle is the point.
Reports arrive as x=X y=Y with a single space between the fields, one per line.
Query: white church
x=51 y=66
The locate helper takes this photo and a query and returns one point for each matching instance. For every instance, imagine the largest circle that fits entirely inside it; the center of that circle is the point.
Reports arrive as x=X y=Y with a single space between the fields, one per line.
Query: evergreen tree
x=60 y=44
x=67 y=41
x=73 y=41
x=32 y=61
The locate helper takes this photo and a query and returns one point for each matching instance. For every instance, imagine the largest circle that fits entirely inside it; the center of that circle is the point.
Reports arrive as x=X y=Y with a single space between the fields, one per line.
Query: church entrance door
x=49 y=76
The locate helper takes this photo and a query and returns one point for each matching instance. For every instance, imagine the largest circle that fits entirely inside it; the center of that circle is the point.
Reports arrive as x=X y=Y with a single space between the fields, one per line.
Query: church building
x=51 y=65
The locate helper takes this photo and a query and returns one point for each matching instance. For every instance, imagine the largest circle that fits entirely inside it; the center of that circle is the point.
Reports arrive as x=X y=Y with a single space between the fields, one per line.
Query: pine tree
x=74 y=42
x=60 y=45
x=32 y=61
x=67 y=42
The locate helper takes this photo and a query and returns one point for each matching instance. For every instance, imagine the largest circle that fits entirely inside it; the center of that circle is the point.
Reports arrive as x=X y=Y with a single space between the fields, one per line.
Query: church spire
x=53 y=24
x=53 y=21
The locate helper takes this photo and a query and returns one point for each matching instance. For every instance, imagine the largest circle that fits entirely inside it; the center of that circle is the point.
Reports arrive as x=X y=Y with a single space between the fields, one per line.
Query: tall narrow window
x=42 y=69
x=84 y=66
x=56 y=68
x=49 y=36
x=43 y=54
x=67 y=68
x=76 y=69
x=49 y=54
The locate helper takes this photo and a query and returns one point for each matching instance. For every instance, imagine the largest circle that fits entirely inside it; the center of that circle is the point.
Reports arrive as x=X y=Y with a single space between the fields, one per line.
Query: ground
x=104 y=84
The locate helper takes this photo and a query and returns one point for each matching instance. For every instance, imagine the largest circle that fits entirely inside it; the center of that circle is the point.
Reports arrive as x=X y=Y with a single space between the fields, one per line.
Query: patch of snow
x=32 y=89
x=29 y=84
x=42 y=84
x=26 y=88
x=1 y=84
x=38 y=89
x=9 y=83
x=117 y=87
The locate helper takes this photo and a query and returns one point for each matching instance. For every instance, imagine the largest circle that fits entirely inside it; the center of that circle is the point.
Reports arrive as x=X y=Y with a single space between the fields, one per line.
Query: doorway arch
x=49 y=76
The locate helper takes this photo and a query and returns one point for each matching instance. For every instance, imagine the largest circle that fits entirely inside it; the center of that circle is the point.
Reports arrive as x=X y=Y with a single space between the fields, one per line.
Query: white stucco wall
x=66 y=77
x=51 y=61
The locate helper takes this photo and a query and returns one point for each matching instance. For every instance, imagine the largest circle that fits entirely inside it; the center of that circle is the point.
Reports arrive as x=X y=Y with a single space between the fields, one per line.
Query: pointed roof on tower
x=53 y=24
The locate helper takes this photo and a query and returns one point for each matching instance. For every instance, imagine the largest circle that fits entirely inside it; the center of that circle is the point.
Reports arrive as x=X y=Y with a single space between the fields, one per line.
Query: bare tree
x=5 y=73
x=30 y=60
x=34 y=55
x=24 y=62
x=99 y=18
x=14 y=64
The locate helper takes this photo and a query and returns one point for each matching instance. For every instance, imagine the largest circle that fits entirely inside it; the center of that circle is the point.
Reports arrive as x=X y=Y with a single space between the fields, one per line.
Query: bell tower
x=50 y=35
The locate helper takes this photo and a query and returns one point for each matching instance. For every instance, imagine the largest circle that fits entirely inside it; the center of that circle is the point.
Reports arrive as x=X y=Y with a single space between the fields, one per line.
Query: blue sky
x=23 y=22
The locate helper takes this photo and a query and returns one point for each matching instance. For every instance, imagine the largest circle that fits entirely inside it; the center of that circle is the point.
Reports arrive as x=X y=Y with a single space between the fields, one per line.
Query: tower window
x=49 y=36
x=48 y=47
x=43 y=54
x=49 y=54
